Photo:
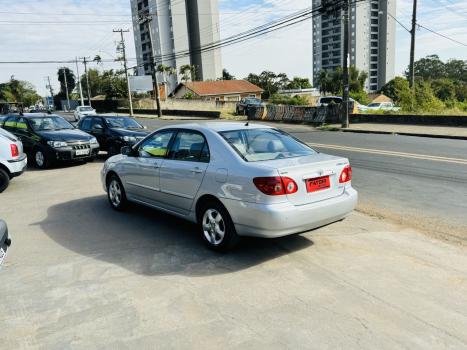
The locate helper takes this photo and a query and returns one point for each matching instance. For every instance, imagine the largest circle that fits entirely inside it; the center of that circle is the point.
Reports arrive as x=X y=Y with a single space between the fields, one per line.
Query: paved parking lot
x=81 y=276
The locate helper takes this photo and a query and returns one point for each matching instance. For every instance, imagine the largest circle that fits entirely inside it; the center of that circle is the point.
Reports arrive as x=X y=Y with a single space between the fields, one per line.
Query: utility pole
x=146 y=18
x=412 y=46
x=345 y=97
x=123 y=48
x=85 y=62
x=51 y=92
x=80 y=88
x=66 y=89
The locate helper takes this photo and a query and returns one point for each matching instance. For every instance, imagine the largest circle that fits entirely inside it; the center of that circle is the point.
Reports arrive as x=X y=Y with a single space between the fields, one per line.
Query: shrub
x=287 y=100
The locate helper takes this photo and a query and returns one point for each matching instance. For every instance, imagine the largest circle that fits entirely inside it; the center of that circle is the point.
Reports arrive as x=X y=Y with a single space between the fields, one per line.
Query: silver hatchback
x=232 y=179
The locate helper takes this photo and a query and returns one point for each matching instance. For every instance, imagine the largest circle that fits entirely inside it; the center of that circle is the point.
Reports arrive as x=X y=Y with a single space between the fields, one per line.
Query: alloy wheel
x=214 y=227
x=40 y=159
x=115 y=193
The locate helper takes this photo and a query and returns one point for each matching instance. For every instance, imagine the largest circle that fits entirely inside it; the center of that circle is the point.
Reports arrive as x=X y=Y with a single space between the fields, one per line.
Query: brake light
x=346 y=175
x=275 y=185
x=14 y=150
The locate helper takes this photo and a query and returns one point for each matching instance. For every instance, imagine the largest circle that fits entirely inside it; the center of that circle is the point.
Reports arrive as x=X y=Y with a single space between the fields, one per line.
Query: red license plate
x=318 y=184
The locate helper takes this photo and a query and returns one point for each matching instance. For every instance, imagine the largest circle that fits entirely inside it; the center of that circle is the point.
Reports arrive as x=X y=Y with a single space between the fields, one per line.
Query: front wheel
x=41 y=160
x=116 y=193
x=217 y=228
x=4 y=180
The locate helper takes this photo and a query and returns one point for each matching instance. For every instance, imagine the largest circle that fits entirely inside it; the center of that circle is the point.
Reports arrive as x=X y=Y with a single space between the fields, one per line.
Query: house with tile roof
x=221 y=90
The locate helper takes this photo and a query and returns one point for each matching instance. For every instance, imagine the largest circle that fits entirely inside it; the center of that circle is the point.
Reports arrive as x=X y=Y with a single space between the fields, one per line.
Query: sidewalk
x=448 y=132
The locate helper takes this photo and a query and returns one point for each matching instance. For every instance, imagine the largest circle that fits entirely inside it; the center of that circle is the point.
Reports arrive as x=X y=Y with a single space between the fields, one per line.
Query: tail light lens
x=275 y=185
x=14 y=150
x=346 y=175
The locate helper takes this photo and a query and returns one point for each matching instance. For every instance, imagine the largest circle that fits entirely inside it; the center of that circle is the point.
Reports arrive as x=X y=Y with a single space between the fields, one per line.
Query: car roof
x=218 y=126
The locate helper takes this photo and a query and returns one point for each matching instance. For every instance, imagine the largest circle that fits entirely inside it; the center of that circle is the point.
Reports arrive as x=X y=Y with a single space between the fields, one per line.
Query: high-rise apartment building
x=180 y=30
x=372 y=41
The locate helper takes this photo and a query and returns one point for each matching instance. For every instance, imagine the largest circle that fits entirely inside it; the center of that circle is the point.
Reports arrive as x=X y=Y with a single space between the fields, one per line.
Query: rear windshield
x=86 y=109
x=256 y=145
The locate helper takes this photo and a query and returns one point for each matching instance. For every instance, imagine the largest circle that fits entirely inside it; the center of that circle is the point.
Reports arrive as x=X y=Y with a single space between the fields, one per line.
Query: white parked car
x=232 y=179
x=13 y=160
x=83 y=111
x=382 y=106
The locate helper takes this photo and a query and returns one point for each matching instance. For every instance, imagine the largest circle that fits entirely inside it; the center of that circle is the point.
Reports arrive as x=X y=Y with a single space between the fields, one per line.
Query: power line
x=442 y=35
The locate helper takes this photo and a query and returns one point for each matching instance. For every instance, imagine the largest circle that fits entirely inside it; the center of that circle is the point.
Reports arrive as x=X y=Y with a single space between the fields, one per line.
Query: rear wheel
x=4 y=180
x=217 y=228
x=116 y=193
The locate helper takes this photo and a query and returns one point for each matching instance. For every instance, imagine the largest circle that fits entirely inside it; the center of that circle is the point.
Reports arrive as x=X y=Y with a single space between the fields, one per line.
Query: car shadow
x=149 y=242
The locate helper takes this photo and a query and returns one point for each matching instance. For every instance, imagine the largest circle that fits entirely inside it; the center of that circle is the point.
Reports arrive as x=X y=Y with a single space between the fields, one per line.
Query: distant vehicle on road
x=13 y=160
x=113 y=132
x=233 y=180
x=326 y=100
x=48 y=138
x=83 y=111
x=383 y=106
x=246 y=103
x=5 y=241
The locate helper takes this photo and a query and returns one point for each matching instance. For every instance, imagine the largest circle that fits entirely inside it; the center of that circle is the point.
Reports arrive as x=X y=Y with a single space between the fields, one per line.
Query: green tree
x=299 y=83
x=357 y=79
x=444 y=89
x=167 y=71
x=399 y=91
x=456 y=70
x=226 y=75
x=324 y=81
x=18 y=91
x=70 y=80
x=430 y=67
x=188 y=72
x=288 y=100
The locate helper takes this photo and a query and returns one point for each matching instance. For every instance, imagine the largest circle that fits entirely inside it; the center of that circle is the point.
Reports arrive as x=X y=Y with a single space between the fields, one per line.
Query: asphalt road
x=420 y=182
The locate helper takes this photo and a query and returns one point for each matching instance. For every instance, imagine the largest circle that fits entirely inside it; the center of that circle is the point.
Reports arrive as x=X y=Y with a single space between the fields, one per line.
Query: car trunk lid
x=316 y=176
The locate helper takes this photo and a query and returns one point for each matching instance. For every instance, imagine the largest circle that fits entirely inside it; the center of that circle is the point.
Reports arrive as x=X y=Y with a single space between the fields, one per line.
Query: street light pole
x=85 y=62
x=412 y=46
x=125 y=66
x=146 y=18
x=80 y=87
x=345 y=97
x=66 y=89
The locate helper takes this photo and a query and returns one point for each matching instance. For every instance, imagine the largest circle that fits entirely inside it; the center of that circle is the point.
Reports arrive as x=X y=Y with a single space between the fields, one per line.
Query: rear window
x=255 y=145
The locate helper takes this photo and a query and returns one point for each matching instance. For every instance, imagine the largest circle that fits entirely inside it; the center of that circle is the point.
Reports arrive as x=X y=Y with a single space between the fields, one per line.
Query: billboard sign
x=141 y=83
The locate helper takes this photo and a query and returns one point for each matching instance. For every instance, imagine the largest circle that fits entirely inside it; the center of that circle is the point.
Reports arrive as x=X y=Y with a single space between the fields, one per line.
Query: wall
x=316 y=115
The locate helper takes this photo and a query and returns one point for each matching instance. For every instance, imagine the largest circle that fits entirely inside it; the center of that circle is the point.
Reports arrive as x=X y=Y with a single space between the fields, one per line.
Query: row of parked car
x=46 y=139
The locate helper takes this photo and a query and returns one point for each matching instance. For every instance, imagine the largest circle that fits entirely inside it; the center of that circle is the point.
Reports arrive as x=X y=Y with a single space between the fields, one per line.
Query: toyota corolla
x=233 y=180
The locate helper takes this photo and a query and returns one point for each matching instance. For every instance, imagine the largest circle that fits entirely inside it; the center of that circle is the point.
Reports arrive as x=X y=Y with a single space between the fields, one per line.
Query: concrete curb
x=433 y=136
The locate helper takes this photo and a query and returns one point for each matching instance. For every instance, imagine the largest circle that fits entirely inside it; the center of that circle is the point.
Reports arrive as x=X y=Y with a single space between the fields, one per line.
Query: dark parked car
x=48 y=138
x=246 y=103
x=5 y=241
x=113 y=132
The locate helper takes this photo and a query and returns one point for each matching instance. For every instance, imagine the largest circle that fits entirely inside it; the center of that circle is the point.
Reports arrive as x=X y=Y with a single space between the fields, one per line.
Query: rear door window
x=86 y=124
x=157 y=145
x=190 y=147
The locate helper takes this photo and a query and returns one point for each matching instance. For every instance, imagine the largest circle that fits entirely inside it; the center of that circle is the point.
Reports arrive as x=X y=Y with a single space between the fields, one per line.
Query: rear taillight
x=275 y=185
x=346 y=175
x=14 y=150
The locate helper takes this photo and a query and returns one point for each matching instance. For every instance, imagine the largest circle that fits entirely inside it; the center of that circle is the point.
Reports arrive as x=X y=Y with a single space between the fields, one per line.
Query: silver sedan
x=232 y=179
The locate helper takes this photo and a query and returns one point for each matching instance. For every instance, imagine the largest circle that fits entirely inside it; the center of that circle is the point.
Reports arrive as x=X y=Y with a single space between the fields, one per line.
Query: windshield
x=265 y=144
x=86 y=109
x=122 y=122
x=50 y=123
x=374 y=105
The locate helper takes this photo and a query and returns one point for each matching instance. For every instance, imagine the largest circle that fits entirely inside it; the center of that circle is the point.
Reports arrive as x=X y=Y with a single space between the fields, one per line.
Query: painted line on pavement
x=390 y=153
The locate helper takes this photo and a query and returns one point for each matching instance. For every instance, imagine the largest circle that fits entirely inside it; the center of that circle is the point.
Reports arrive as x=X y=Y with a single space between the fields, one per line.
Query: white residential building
x=180 y=28
x=371 y=46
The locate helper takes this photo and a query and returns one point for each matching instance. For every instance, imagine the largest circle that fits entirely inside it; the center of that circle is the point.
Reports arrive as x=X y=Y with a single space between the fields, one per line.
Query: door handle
x=197 y=171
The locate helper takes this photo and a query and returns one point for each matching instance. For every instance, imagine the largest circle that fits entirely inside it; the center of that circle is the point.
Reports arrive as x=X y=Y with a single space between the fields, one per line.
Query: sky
x=65 y=29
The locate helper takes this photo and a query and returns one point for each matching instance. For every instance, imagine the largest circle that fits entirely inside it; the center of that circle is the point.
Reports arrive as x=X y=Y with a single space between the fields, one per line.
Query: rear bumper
x=284 y=219
x=17 y=166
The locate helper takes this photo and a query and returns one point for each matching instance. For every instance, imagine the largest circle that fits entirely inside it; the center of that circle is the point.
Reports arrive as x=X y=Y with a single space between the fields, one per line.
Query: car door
x=24 y=133
x=98 y=131
x=141 y=172
x=183 y=170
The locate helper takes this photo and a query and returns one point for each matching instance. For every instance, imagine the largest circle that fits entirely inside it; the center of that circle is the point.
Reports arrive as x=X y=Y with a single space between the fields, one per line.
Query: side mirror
x=145 y=127
x=98 y=127
x=127 y=151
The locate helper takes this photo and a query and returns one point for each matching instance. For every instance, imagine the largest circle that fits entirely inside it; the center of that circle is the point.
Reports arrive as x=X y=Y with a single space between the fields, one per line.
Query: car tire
x=4 y=180
x=40 y=158
x=216 y=226
x=116 y=194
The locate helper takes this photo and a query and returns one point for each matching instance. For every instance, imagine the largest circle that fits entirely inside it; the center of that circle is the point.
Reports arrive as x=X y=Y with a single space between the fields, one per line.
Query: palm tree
x=166 y=72
x=323 y=81
x=187 y=71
